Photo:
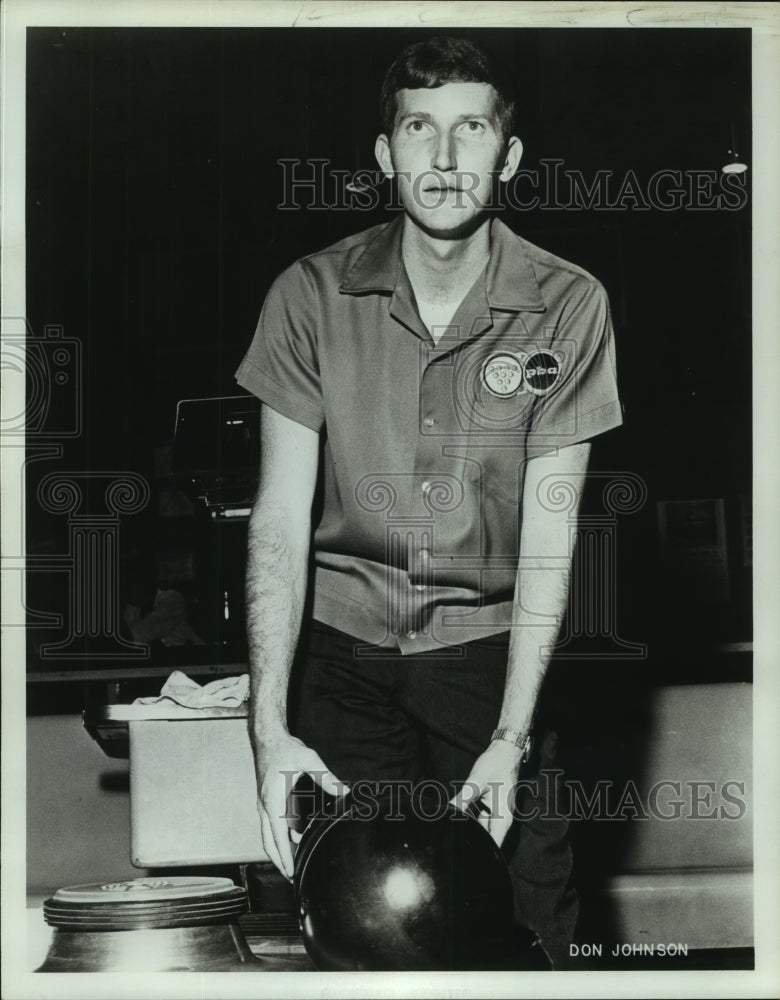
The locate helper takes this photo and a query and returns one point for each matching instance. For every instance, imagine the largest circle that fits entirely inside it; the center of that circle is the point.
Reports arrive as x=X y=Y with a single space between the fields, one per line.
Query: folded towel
x=225 y=692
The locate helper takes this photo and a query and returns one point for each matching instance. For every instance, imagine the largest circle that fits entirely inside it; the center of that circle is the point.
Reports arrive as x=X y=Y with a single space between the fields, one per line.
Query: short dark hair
x=439 y=60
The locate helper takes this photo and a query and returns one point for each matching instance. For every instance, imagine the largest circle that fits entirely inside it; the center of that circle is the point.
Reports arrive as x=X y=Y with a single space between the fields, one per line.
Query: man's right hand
x=279 y=763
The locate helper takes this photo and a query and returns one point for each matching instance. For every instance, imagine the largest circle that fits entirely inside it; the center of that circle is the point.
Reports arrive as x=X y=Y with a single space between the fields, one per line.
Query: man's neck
x=441 y=271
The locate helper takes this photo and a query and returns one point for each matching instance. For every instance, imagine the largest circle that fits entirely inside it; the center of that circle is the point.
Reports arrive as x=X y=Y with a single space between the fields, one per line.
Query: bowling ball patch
x=503 y=374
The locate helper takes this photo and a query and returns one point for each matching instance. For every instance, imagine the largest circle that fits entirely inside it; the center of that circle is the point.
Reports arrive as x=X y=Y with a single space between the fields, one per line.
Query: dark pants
x=393 y=718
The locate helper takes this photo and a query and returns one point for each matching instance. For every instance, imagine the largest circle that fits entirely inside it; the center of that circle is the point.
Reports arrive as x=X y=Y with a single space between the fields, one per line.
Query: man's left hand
x=490 y=788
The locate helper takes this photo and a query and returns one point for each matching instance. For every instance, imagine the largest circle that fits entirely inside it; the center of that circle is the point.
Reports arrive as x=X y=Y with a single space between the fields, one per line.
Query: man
x=445 y=377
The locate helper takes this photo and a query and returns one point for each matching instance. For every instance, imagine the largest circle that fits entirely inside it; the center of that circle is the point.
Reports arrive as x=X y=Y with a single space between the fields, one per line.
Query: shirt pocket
x=497 y=470
x=496 y=444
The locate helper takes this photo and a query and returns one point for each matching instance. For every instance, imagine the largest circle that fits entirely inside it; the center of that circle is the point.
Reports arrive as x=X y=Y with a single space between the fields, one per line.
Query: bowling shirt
x=425 y=445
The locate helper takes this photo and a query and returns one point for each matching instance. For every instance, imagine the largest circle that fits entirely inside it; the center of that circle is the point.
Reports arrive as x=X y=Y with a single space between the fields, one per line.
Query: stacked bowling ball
x=186 y=924
x=403 y=885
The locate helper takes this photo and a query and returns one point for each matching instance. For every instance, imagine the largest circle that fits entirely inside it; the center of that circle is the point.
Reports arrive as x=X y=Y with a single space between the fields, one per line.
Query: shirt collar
x=378 y=268
x=510 y=279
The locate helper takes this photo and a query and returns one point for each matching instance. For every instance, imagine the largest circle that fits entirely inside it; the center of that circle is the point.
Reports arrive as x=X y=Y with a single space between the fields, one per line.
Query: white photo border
x=764 y=20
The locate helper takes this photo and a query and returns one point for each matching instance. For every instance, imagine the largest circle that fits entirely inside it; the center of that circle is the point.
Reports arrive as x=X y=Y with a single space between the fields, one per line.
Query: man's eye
x=416 y=126
x=473 y=127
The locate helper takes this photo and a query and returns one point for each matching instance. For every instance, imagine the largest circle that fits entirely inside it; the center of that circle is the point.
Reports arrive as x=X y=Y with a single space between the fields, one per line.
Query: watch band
x=521 y=740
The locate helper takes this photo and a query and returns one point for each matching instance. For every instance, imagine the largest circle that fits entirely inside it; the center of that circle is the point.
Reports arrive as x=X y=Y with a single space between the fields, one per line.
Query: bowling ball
x=402 y=886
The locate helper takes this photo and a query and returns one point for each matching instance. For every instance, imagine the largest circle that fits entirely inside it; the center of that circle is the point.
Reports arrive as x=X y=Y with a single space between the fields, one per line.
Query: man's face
x=445 y=149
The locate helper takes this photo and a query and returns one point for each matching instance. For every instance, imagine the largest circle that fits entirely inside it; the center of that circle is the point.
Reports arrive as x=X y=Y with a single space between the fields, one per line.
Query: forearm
x=541 y=589
x=543 y=577
x=541 y=584
x=275 y=592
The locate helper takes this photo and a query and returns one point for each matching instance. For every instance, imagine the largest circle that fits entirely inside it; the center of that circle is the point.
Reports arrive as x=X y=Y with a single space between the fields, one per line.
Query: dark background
x=153 y=234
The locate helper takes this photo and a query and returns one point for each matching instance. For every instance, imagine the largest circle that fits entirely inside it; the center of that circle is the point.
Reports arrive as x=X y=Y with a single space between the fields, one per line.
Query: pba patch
x=507 y=374
x=503 y=374
x=541 y=370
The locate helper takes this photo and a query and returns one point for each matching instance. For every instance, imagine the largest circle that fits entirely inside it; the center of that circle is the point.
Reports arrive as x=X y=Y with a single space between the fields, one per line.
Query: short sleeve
x=281 y=366
x=575 y=380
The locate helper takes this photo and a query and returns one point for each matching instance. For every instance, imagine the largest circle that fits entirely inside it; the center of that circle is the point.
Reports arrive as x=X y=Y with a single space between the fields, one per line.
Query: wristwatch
x=522 y=740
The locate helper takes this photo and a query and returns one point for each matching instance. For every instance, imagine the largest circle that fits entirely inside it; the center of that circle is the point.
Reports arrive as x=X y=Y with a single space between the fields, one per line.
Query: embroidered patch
x=503 y=374
x=541 y=371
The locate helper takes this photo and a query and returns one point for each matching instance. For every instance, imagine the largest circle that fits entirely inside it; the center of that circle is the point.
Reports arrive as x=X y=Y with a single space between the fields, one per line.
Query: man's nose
x=444 y=157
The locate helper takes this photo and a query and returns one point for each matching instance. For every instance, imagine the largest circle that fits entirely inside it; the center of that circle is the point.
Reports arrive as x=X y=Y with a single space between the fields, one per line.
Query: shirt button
x=429 y=421
x=411 y=635
x=420 y=586
x=426 y=487
x=424 y=553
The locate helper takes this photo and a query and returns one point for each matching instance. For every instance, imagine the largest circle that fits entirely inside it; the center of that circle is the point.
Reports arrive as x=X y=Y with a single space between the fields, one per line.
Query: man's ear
x=383 y=155
x=514 y=153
